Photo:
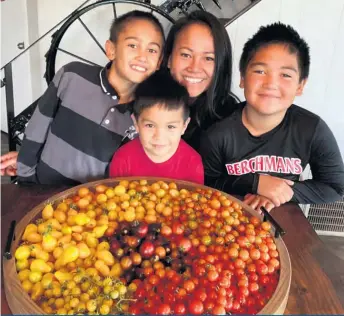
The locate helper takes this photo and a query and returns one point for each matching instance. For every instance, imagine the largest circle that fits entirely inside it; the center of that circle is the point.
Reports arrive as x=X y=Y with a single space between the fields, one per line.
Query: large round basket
x=20 y=302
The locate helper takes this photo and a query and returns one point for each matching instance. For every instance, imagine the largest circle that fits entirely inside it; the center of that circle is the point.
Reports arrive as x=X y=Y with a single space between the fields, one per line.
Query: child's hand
x=8 y=164
x=257 y=201
x=277 y=190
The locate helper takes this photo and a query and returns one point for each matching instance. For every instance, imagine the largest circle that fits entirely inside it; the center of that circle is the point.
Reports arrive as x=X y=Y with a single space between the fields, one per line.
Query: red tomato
x=219 y=310
x=179 y=309
x=195 y=307
x=254 y=254
x=163 y=309
x=166 y=231
x=262 y=269
x=213 y=276
x=189 y=286
x=200 y=294
x=253 y=287
x=177 y=228
x=225 y=282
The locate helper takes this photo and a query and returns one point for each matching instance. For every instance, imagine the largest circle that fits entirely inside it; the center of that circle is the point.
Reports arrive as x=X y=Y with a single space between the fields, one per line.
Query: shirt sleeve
x=216 y=176
x=327 y=184
x=118 y=166
x=37 y=130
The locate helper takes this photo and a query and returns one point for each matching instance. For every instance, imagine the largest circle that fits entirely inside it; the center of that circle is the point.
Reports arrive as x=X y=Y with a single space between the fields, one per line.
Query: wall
x=14 y=30
x=321 y=23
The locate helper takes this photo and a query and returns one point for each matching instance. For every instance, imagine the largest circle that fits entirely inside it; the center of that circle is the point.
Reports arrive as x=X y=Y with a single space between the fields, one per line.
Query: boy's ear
x=186 y=125
x=241 y=84
x=301 y=86
x=110 y=50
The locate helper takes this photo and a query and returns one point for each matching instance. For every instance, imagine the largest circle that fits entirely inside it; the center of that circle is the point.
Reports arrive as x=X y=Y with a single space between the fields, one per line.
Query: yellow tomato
x=84 y=251
x=23 y=275
x=31 y=228
x=49 y=243
x=116 y=270
x=70 y=254
x=22 y=264
x=91 y=305
x=104 y=245
x=41 y=254
x=104 y=309
x=47 y=280
x=27 y=286
x=74 y=302
x=65 y=240
x=48 y=212
x=101 y=198
x=106 y=256
x=62 y=206
x=129 y=216
x=54 y=223
x=35 y=276
x=77 y=236
x=22 y=252
x=83 y=203
x=83 y=192
x=66 y=230
x=56 y=234
x=57 y=252
x=42 y=228
x=102 y=268
x=36 y=291
x=100 y=230
x=81 y=219
x=63 y=276
x=60 y=216
x=61 y=311
x=40 y=266
x=34 y=237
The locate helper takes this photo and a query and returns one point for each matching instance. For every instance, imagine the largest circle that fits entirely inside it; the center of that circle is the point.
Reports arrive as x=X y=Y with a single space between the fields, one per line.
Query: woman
x=199 y=55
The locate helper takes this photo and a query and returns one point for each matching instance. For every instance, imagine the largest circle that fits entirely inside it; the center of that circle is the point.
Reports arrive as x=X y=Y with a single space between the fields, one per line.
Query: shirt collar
x=105 y=84
x=110 y=91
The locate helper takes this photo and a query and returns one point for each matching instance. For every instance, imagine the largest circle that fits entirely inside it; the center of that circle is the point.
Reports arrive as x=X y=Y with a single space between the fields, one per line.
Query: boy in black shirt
x=264 y=147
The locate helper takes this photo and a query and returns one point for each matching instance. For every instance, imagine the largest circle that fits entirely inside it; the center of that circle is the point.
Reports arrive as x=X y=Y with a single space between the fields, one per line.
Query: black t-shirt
x=233 y=158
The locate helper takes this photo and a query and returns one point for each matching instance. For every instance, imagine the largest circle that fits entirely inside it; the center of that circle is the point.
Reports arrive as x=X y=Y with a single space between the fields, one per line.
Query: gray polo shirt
x=75 y=129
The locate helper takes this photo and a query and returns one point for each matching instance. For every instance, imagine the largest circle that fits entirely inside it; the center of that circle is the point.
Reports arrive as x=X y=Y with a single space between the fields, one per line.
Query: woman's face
x=192 y=61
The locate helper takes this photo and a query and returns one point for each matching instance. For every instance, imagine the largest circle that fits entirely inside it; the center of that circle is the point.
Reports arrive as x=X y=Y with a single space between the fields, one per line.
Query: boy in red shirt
x=161 y=116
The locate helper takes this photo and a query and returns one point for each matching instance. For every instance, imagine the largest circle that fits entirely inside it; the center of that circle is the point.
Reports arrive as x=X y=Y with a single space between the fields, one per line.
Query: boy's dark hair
x=209 y=106
x=119 y=23
x=277 y=33
x=161 y=88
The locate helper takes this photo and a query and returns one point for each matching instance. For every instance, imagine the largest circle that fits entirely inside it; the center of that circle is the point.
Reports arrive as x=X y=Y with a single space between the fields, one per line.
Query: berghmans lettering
x=264 y=163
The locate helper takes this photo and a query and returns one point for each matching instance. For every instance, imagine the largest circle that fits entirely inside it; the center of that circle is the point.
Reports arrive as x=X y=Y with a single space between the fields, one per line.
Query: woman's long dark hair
x=209 y=105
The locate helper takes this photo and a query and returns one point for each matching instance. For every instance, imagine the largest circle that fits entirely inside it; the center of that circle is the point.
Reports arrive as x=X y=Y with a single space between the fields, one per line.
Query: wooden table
x=317 y=285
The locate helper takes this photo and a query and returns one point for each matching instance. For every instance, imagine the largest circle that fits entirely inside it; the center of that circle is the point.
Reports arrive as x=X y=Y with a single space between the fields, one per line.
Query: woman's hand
x=8 y=164
x=257 y=201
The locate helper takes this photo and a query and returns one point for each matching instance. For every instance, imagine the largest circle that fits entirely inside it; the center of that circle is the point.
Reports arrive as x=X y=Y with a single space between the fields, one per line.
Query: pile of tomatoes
x=143 y=248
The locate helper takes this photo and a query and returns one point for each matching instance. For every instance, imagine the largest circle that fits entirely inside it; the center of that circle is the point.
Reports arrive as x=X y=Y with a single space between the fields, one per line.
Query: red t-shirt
x=132 y=161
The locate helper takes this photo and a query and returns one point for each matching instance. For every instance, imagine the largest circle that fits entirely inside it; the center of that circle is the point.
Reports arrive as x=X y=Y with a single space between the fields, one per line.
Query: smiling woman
x=199 y=55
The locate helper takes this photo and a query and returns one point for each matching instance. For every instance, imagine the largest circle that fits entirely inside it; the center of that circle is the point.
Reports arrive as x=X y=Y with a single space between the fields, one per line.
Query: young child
x=264 y=146
x=161 y=116
x=85 y=113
